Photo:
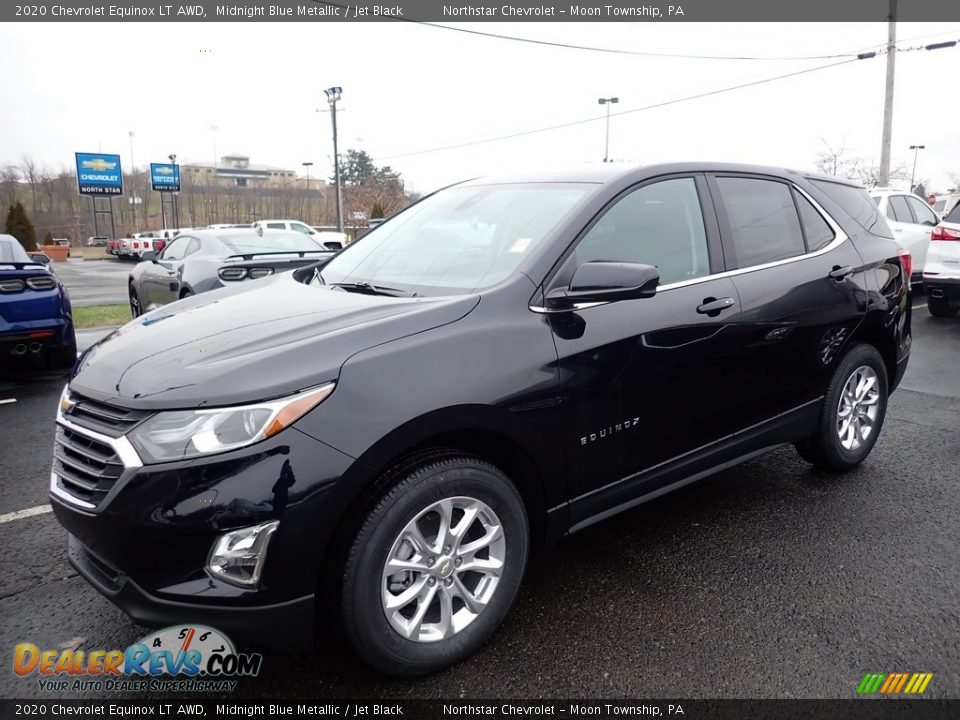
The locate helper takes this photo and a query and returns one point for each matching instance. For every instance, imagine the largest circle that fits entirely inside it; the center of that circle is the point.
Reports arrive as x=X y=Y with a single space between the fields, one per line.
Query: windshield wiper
x=371 y=289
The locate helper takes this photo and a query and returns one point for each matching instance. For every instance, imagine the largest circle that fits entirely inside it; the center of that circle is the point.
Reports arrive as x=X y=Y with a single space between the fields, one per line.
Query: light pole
x=175 y=211
x=133 y=181
x=307 y=165
x=333 y=96
x=916 y=149
x=608 y=102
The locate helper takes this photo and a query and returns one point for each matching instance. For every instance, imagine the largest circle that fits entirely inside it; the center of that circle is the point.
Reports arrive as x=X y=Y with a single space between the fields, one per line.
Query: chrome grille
x=84 y=467
x=102 y=418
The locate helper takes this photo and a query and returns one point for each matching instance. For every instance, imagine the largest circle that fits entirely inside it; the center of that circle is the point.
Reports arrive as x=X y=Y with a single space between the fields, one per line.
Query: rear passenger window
x=763 y=220
x=815 y=228
x=922 y=211
x=659 y=224
x=276 y=226
x=901 y=213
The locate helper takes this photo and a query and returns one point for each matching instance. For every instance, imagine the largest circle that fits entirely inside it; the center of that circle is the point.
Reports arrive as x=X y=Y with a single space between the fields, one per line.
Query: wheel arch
x=882 y=339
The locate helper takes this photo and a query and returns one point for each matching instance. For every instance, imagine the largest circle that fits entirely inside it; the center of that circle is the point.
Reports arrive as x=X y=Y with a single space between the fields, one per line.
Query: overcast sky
x=409 y=88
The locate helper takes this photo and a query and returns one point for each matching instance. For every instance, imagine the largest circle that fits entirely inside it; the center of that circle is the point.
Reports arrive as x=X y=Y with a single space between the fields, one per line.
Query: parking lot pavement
x=94 y=282
x=767 y=580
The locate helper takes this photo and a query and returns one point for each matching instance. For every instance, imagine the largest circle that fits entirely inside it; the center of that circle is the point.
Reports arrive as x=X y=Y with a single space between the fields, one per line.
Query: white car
x=329 y=240
x=941 y=274
x=912 y=220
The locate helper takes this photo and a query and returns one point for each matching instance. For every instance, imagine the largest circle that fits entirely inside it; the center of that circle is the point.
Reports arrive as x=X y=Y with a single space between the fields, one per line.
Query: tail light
x=942 y=233
x=906 y=262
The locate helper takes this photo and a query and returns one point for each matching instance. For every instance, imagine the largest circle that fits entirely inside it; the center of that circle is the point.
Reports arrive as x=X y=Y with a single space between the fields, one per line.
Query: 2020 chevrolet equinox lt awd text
x=378 y=444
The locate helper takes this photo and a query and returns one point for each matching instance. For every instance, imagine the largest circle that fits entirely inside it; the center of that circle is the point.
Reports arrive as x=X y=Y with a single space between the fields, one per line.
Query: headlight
x=183 y=434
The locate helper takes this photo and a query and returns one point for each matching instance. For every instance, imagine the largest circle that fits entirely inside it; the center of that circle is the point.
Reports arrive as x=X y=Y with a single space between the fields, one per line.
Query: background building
x=237 y=171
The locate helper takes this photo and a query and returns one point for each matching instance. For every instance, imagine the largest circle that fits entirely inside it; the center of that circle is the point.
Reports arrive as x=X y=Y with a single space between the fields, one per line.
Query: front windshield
x=247 y=243
x=458 y=241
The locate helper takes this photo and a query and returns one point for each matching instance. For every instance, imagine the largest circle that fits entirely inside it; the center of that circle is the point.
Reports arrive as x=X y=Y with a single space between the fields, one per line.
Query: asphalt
x=94 y=282
x=767 y=580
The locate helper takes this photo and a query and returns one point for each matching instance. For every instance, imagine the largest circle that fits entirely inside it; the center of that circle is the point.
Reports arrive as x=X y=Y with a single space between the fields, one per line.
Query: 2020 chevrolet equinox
x=376 y=444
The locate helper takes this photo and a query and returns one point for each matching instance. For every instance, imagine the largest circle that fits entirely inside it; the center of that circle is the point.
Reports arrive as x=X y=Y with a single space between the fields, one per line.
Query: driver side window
x=659 y=224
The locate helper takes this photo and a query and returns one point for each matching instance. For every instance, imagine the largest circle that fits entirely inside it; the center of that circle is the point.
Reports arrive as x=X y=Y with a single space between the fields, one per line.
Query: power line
x=616 y=51
x=573 y=123
x=753 y=83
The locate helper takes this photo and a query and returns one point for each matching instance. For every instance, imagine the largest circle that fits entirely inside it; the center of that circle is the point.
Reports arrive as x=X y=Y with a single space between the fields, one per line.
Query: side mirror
x=604 y=281
x=148 y=256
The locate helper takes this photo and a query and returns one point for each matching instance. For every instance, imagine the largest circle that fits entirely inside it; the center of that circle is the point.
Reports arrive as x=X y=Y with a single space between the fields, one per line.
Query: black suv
x=377 y=444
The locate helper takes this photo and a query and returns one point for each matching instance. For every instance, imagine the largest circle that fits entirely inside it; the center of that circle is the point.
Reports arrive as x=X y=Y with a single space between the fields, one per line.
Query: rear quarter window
x=954 y=215
x=855 y=202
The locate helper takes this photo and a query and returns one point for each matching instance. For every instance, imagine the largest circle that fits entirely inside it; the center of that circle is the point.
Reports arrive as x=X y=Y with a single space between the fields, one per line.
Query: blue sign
x=99 y=174
x=165 y=177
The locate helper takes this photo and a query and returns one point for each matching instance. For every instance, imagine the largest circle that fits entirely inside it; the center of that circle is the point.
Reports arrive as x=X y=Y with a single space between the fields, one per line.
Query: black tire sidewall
x=367 y=626
x=836 y=455
x=941 y=307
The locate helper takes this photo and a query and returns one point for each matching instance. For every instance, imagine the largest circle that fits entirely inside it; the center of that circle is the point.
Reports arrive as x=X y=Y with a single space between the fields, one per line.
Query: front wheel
x=853 y=412
x=434 y=567
x=136 y=310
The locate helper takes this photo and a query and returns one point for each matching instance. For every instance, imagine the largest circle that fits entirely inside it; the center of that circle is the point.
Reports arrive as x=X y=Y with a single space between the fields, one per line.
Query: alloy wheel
x=858 y=408
x=443 y=569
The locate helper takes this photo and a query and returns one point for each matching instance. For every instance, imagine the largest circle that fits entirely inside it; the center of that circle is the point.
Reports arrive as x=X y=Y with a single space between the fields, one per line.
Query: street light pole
x=608 y=102
x=175 y=211
x=916 y=149
x=307 y=165
x=133 y=181
x=333 y=96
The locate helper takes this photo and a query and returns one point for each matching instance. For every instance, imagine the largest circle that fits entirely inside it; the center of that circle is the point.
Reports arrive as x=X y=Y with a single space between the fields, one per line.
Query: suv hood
x=255 y=341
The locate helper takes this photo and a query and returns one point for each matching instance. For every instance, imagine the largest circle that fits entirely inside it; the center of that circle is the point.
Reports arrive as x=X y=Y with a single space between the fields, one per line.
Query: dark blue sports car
x=36 y=320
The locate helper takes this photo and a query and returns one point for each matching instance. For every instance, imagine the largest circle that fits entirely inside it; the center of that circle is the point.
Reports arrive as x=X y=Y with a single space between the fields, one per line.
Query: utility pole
x=333 y=95
x=888 y=97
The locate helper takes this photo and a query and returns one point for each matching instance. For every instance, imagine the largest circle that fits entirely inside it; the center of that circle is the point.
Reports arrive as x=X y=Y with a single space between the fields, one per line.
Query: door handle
x=839 y=273
x=896 y=229
x=714 y=306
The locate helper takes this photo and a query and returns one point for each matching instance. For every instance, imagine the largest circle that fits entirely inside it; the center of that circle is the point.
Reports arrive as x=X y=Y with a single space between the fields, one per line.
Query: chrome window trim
x=840 y=237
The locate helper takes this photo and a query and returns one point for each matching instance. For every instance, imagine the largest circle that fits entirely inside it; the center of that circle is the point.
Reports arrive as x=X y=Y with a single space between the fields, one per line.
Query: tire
x=186 y=294
x=391 y=641
x=136 y=309
x=826 y=449
x=941 y=307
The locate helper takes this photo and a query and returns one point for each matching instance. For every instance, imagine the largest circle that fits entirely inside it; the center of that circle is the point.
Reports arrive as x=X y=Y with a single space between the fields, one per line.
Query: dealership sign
x=99 y=174
x=165 y=177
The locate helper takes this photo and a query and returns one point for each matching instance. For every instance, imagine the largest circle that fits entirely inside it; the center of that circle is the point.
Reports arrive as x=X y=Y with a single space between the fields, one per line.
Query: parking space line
x=7 y=401
x=28 y=512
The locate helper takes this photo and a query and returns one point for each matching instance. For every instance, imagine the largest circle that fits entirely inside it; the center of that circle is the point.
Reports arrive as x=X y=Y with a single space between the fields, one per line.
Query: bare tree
x=834 y=159
x=31 y=174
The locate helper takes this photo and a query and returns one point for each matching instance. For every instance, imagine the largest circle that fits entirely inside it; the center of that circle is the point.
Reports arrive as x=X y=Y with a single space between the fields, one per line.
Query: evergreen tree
x=377 y=211
x=19 y=225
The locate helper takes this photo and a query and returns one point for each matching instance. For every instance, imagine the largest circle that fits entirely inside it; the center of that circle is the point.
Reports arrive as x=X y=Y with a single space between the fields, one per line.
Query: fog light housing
x=238 y=556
